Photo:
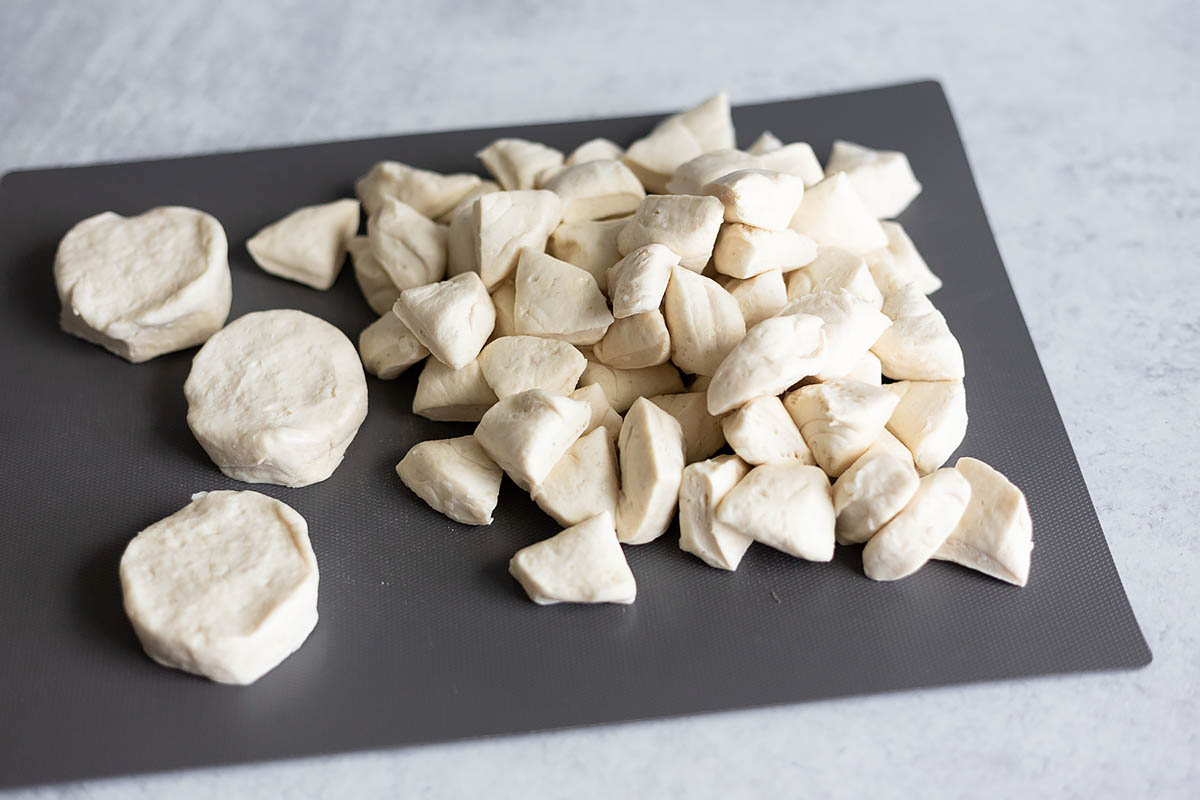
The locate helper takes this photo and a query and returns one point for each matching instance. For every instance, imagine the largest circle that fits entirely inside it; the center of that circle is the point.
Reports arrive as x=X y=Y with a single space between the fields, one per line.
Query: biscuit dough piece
x=743 y=252
x=453 y=318
x=760 y=297
x=851 y=327
x=919 y=345
x=702 y=489
x=374 y=283
x=527 y=433
x=514 y=364
x=651 y=448
x=591 y=246
x=226 y=587
x=308 y=245
x=635 y=342
x=517 y=164
x=785 y=506
x=409 y=247
x=583 y=483
x=873 y=489
x=765 y=143
x=762 y=432
x=757 y=197
x=995 y=534
x=883 y=178
x=481 y=188
x=454 y=477
x=867 y=369
x=692 y=176
x=930 y=419
x=452 y=395
x=774 y=355
x=431 y=194
x=702 y=434
x=900 y=263
x=504 y=300
x=680 y=138
x=704 y=321
x=623 y=386
x=834 y=215
x=912 y=536
x=602 y=414
x=638 y=281
x=276 y=397
x=557 y=300
x=833 y=269
x=796 y=158
x=461 y=253
x=598 y=149
x=839 y=420
x=388 y=347
x=504 y=223
x=687 y=224
x=146 y=285
x=597 y=190
x=582 y=564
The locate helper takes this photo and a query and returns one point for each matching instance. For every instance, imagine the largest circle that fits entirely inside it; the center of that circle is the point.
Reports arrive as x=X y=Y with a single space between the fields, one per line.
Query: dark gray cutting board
x=423 y=635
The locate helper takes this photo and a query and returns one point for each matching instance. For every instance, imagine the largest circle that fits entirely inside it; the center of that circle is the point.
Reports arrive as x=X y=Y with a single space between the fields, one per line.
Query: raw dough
x=995 y=534
x=455 y=477
x=527 y=433
x=453 y=318
x=704 y=321
x=558 y=300
x=452 y=395
x=582 y=564
x=308 y=245
x=585 y=481
x=762 y=432
x=774 y=355
x=388 y=347
x=651 y=446
x=514 y=364
x=785 y=506
x=704 y=486
x=912 y=537
x=687 y=225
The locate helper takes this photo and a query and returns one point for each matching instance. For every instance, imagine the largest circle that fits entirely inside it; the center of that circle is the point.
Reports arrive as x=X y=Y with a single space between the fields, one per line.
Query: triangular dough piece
x=453 y=318
x=597 y=190
x=687 y=225
x=995 y=534
x=430 y=193
x=557 y=300
x=762 y=432
x=704 y=486
x=519 y=164
x=635 y=342
x=452 y=395
x=527 y=433
x=873 y=490
x=912 y=537
x=591 y=246
x=582 y=564
x=455 y=477
x=900 y=263
x=514 y=364
x=388 y=347
x=883 y=178
x=833 y=269
x=840 y=419
x=834 y=215
x=654 y=158
x=638 y=281
x=919 y=345
x=409 y=247
x=583 y=483
x=603 y=415
x=375 y=284
x=308 y=245
x=503 y=223
x=624 y=386
x=785 y=506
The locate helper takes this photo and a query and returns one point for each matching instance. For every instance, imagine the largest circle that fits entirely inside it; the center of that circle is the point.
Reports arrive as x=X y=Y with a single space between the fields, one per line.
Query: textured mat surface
x=423 y=635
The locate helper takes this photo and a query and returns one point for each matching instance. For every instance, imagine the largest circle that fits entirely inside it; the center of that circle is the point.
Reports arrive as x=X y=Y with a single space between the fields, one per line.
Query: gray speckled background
x=1081 y=120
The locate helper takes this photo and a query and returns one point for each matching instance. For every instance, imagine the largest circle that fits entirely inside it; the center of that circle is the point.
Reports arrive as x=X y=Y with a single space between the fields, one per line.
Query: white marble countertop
x=1082 y=121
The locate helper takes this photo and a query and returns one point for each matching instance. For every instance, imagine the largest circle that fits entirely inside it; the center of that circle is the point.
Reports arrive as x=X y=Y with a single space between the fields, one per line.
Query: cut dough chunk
x=455 y=477
x=930 y=419
x=833 y=269
x=514 y=364
x=900 y=263
x=702 y=434
x=146 y=285
x=711 y=123
x=687 y=225
x=774 y=355
x=583 y=483
x=651 y=446
x=679 y=138
x=995 y=534
x=759 y=297
x=226 y=587
x=557 y=300
x=597 y=190
x=602 y=414
x=518 y=164
x=409 y=247
x=851 y=327
x=910 y=539
x=692 y=176
x=504 y=300
x=785 y=506
x=462 y=255
x=598 y=149
x=430 y=193
x=700 y=383
x=704 y=486
x=527 y=433
x=765 y=143
x=388 y=347
x=482 y=188
x=452 y=395
x=504 y=223
x=638 y=281
x=374 y=283
x=635 y=342
x=308 y=245
x=704 y=321
x=883 y=178
x=873 y=489
x=582 y=564
x=743 y=252
x=453 y=318
x=276 y=397
x=623 y=386
x=834 y=215
x=866 y=369
x=762 y=432
x=757 y=197
x=591 y=246
x=839 y=420
x=919 y=345
x=796 y=159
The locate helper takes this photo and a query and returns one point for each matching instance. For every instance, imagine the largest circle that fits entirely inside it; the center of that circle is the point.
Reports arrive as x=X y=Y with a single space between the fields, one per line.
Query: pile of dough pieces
x=681 y=327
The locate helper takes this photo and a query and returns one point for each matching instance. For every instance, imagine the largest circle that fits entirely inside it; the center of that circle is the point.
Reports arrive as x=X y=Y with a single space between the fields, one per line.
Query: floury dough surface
x=276 y=397
x=146 y=285
x=226 y=587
